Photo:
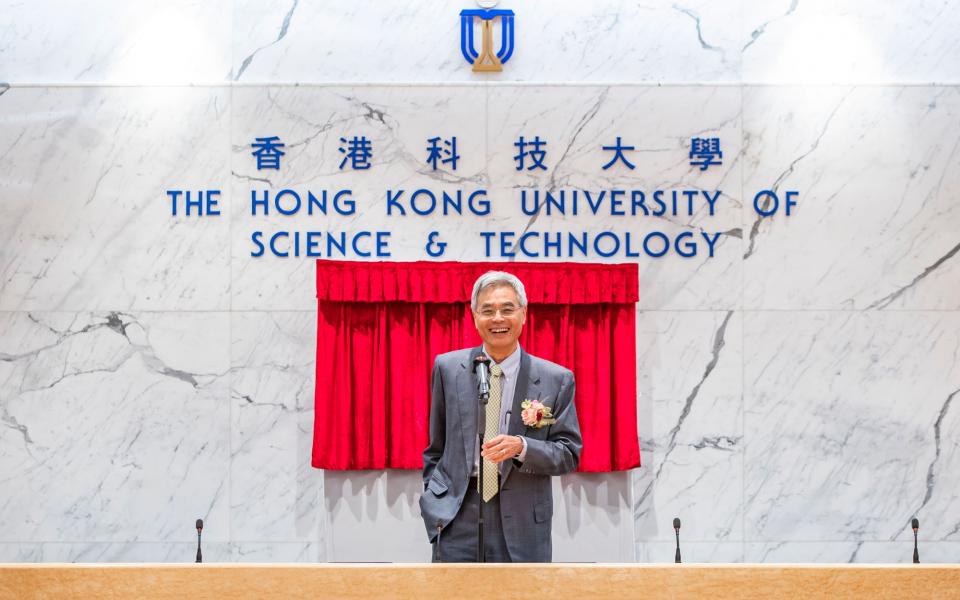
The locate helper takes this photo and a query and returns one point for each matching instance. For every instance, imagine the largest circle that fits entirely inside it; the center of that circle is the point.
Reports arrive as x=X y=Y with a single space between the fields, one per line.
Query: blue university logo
x=487 y=60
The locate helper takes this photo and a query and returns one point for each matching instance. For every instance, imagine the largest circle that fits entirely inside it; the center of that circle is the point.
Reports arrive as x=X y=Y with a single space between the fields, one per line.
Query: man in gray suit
x=519 y=459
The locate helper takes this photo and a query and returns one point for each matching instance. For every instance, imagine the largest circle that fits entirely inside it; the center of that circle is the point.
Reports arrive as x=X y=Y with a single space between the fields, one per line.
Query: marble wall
x=798 y=391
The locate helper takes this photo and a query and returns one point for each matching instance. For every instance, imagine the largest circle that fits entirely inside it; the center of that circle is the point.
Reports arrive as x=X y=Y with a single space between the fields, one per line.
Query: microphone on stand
x=199 y=529
x=676 y=529
x=916 y=553
x=481 y=364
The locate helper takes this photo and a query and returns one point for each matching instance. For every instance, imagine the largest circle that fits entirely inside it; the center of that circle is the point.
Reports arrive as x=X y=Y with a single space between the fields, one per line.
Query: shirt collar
x=510 y=365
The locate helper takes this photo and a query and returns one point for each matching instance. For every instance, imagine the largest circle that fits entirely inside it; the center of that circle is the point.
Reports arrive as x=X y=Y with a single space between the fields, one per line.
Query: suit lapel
x=468 y=405
x=528 y=386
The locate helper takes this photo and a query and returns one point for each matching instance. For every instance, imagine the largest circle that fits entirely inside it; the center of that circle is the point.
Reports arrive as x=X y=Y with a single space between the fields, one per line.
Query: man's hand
x=501 y=448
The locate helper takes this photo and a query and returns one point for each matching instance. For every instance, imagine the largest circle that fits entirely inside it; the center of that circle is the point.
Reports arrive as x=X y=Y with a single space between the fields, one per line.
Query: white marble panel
x=117 y=427
x=576 y=123
x=556 y=40
x=610 y=41
x=374 y=516
x=278 y=552
x=114 y=552
x=690 y=425
x=878 y=173
x=851 y=425
x=103 y=41
x=275 y=494
x=311 y=122
x=900 y=552
x=691 y=552
x=850 y=41
x=593 y=518
x=85 y=220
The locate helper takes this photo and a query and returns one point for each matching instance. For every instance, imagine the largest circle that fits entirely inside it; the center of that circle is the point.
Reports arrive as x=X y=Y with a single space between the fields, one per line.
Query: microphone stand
x=916 y=552
x=676 y=556
x=676 y=529
x=483 y=397
x=199 y=529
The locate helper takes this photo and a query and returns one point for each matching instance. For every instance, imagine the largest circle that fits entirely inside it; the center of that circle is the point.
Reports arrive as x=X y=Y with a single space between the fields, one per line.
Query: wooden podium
x=543 y=582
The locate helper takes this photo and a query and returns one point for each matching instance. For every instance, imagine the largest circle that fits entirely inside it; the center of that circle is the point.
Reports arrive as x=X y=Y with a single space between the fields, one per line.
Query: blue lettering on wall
x=424 y=202
x=604 y=244
x=317 y=244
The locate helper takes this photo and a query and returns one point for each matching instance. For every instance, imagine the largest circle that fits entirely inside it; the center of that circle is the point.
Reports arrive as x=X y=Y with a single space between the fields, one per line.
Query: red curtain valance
x=545 y=283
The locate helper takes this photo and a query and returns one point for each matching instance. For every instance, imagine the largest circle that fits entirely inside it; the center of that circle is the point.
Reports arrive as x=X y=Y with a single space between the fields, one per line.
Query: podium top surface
x=556 y=581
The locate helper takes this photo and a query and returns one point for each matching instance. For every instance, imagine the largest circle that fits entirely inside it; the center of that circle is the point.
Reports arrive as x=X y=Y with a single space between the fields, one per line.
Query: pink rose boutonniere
x=536 y=414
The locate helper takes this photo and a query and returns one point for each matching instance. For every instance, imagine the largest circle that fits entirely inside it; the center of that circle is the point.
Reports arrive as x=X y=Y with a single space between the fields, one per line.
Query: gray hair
x=496 y=278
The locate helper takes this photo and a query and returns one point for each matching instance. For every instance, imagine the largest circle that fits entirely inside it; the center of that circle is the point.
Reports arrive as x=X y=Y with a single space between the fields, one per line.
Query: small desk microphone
x=676 y=529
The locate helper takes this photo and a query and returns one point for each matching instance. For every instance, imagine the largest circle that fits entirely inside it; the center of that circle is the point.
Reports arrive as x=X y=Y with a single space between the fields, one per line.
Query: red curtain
x=380 y=326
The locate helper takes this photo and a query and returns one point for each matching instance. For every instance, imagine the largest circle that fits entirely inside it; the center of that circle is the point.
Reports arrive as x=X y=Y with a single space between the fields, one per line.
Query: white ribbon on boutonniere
x=536 y=414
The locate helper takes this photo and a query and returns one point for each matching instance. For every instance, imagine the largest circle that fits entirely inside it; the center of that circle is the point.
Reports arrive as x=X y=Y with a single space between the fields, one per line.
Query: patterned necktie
x=490 y=431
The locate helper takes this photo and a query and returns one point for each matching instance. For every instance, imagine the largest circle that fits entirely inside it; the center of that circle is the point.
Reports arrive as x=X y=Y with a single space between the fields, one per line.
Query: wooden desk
x=553 y=582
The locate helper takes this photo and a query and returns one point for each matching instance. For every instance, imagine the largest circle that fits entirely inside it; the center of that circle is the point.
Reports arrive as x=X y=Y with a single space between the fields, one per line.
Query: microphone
x=481 y=365
x=199 y=529
x=676 y=529
x=916 y=554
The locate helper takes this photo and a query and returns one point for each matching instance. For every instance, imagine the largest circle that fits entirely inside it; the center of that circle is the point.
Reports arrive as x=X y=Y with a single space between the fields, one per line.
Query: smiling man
x=530 y=430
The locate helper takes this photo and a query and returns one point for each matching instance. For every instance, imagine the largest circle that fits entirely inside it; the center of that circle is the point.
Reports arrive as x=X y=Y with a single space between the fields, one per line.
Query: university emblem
x=487 y=60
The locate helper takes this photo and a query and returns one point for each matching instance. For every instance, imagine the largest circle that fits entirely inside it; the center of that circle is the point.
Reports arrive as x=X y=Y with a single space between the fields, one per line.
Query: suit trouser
x=458 y=541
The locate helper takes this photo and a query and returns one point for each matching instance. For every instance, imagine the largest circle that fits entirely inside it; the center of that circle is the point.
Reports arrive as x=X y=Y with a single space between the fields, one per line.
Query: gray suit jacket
x=526 y=493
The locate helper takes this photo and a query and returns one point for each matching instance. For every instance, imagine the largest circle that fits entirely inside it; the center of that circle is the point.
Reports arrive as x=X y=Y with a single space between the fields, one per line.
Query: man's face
x=499 y=318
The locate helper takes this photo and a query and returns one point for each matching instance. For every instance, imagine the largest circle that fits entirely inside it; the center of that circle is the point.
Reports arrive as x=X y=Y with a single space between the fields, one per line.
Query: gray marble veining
x=115 y=426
